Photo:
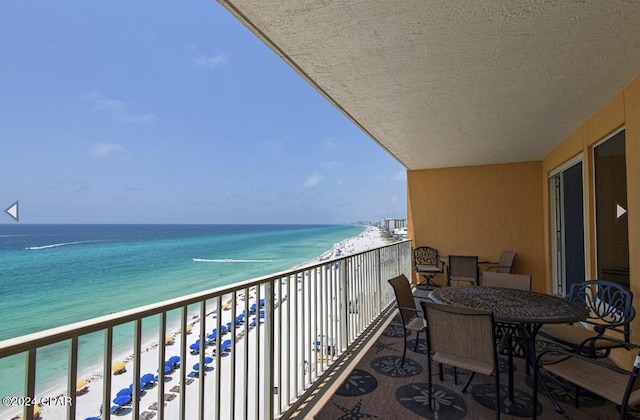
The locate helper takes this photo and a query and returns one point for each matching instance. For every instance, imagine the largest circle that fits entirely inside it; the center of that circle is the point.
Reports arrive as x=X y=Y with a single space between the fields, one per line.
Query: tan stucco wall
x=480 y=210
x=621 y=110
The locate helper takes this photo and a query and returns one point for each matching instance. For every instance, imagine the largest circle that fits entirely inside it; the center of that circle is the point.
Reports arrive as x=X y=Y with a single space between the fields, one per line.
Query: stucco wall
x=621 y=110
x=480 y=210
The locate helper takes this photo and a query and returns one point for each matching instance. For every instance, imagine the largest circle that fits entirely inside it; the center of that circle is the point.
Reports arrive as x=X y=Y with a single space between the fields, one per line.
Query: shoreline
x=89 y=403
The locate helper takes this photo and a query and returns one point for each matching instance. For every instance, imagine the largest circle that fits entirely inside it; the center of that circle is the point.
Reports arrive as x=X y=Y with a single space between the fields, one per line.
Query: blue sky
x=172 y=112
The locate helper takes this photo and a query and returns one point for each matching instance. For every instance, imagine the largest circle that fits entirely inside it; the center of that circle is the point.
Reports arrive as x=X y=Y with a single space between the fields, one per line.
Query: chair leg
x=417 y=339
x=440 y=372
x=497 y=375
x=430 y=380
x=404 y=350
x=466 y=385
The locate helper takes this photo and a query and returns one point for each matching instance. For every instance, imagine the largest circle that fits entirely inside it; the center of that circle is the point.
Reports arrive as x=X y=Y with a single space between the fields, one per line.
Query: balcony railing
x=302 y=322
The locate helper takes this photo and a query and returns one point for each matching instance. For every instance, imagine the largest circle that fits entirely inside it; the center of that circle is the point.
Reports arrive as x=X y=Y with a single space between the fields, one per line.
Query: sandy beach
x=88 y=403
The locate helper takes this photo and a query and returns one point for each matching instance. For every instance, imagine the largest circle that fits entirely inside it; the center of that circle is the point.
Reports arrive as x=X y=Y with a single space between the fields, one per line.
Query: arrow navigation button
x=12 y=211
x=620 y=211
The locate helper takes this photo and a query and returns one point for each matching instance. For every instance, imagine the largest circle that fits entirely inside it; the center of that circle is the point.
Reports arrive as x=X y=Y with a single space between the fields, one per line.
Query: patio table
x=530 y=310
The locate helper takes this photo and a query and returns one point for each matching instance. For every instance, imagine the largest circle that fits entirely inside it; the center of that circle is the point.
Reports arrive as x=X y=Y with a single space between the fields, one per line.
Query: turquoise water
x=52 y=275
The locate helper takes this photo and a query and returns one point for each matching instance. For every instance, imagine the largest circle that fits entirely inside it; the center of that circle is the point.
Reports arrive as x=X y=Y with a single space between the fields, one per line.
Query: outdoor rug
x=378 y=388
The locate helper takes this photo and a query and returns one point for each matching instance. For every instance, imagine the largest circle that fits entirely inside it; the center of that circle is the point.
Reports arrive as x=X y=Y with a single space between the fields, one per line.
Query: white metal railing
x=302 y=321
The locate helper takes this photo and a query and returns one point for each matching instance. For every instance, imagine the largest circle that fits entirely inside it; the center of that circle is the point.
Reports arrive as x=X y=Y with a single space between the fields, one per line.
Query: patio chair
x=408 y=311
x=463 y=338
x=462 y=268
x=610 y=310
x=505 y=264
x=427 y=264
x=599 y=376
x=511 y=340
x=510 y=281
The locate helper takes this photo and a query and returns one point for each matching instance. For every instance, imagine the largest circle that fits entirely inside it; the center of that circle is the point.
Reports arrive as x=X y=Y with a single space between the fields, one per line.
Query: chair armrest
x=590 y=342
x=405 y=308
x=569 y=354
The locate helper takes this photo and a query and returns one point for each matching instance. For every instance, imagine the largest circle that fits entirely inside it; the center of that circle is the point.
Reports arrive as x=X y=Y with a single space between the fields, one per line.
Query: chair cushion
x=463 y=363
x=597 y=379
x=463 y=278
x=573 y=334
x=428 y=268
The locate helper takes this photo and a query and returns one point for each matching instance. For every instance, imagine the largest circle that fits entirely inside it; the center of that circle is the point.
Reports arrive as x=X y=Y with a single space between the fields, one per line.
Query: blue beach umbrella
x=223 y=329
x=208 y=359
x=261 y=313
x=229 y=326
x=168 y=367
x=253 y=308
x=127 y=392
x=261 y=302
x=195 y=346
x=213 y=335
x=196 y=367
x=122 y=400
x=147 y=377
x=92 y=418
x=174 y=360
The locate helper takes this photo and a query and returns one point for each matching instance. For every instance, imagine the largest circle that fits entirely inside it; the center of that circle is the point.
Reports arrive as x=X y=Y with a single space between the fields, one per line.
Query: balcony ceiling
x=440 y=83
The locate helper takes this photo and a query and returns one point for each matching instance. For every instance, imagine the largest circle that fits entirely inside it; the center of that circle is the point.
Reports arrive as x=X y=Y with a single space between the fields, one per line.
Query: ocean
x=52 y=275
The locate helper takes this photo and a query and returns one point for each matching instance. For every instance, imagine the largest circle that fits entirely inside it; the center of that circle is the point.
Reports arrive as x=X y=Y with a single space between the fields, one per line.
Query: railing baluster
x=72 y=378
x=162 y=338
x=183 y=361
x=137 y=351
x=106 y=370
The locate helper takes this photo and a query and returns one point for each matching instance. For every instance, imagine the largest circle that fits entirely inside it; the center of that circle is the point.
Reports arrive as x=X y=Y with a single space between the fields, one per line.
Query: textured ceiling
x=441 y=83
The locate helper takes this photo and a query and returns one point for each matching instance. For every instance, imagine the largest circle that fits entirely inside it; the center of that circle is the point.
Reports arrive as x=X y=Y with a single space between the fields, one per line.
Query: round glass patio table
x=511 y=305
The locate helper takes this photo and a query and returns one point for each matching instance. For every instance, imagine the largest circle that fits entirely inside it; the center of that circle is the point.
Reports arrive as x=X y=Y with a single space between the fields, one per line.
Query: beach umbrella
x=125 y=391
x=261 y=313
x=168 y=367
x=147 y=377
x=168 y=339
x=118 y=367
x=223 y=329
x=196 y=366
x=261 y=302
x=81 y=383
x=189 y=328
x=174 y=360
x=92 y=418
x=253 y=308
x=122 y=400
x=229 y=326
x=208 y=359
x=213 y=335
x=195 y=346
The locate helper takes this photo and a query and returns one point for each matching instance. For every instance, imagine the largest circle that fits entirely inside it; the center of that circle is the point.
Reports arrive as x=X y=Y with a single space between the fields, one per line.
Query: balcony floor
x=377 y=387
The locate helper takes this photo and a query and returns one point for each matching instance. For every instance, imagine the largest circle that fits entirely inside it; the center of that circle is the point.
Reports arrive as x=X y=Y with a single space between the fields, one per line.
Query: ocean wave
x=35 y=248
x=229 y=260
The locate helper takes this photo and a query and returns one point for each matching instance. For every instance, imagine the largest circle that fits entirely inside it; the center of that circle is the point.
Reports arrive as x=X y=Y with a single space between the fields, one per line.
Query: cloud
x=103 y=150
x=313 y=180
x=329 y=164
x=209 y=62
x=116 y=108
x=400 y=176
x=274 y=145
x=330 y=143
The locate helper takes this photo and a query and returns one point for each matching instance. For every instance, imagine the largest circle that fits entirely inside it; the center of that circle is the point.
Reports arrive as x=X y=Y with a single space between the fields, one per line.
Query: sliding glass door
x=612 y=238
x=568 y=241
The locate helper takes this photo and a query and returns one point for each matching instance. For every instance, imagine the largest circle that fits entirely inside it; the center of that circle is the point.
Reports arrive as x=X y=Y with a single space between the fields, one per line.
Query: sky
x=172 y=112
